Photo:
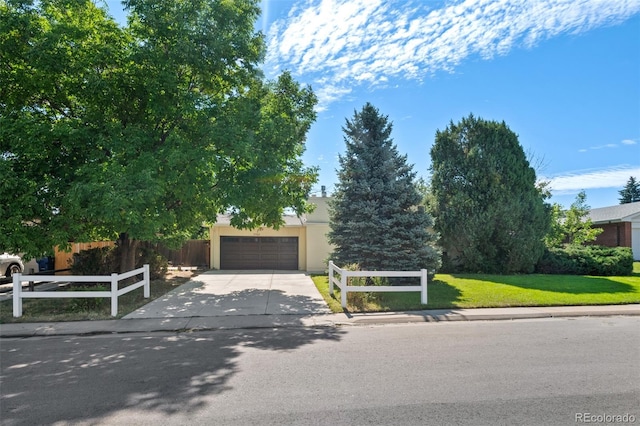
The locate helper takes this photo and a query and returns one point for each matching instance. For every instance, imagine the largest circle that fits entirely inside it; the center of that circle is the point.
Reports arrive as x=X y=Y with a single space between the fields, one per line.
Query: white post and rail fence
x=343 y=282
x=114 y=293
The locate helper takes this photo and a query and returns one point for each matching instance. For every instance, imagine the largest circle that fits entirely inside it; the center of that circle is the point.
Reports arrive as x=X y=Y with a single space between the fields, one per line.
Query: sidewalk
x=181 y=324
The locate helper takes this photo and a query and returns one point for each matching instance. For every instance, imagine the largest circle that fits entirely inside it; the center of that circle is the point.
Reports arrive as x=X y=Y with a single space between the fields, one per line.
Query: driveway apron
x=224 y=293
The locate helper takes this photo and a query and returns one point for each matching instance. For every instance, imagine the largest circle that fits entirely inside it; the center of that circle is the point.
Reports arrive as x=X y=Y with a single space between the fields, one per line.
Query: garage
x=299 y=244
x=279 y=253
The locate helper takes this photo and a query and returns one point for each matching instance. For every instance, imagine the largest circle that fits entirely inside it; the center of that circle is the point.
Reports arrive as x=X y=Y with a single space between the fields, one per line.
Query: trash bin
x=43 y=264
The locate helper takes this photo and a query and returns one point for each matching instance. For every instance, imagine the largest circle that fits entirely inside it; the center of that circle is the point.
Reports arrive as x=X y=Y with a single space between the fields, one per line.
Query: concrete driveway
x=224 y=293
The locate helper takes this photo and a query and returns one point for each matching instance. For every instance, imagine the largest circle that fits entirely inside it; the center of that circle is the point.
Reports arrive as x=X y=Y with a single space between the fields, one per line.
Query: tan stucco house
x=620 y=225
x=300 y=244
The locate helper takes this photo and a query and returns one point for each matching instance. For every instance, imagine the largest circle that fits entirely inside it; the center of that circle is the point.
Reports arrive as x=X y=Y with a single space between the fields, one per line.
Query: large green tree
x=631 y=191
x=376 y=219
x=142 y=132
x=489 y=212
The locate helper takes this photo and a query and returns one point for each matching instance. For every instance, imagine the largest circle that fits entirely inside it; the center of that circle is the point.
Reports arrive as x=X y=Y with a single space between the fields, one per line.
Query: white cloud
x=591 y=148
x=573 y=182
x=327 y=94
x=347 y=43
x=609 y=145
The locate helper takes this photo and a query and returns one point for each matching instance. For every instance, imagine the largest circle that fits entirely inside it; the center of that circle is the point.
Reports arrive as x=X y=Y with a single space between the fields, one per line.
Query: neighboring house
x=620 y=224
x=300 y=244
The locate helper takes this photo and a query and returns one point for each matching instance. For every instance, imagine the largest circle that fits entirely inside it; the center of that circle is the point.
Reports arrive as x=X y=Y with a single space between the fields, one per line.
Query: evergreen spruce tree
x=631 y=192
x=375 y=218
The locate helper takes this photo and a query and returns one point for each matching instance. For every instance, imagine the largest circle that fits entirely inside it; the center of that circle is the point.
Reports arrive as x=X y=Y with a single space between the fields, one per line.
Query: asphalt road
x=527 y=372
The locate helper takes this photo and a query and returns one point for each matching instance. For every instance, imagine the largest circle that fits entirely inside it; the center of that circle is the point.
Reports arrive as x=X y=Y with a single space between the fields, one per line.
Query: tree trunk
x=128 y=251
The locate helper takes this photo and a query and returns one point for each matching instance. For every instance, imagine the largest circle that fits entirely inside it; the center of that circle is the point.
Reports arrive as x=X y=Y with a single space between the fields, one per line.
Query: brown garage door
x=259 y=253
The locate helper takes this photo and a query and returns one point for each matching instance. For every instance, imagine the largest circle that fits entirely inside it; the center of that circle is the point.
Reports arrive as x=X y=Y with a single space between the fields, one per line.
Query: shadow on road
x=86 y=379
x=82 y=379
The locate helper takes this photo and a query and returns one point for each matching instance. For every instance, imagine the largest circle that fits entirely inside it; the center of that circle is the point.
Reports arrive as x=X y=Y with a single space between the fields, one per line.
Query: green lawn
x=488 y=291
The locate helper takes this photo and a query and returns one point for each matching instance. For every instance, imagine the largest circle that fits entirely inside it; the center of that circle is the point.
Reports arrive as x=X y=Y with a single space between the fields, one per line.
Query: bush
x=158 y=264
x=359 y=300
x=587 y=260
x=95 y=261
x=105 y=261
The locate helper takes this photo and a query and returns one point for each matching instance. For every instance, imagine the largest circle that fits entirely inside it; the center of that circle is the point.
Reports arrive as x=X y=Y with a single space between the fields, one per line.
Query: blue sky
x=563 y=75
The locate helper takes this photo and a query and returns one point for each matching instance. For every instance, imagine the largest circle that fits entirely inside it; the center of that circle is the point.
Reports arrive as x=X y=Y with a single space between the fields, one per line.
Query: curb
x=498 y=314
x=193 y=324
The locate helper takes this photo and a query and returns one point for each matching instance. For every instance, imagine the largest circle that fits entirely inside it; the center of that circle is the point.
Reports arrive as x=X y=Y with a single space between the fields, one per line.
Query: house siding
x=620 y=224
x=614 y=234
x=317 y=228
x=318 y=248
x=635 y=240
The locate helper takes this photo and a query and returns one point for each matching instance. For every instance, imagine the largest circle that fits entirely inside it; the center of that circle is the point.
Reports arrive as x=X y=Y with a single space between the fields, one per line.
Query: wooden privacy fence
x=192 y=253
x=343 y=283
x=64 y=259
x=114 y=293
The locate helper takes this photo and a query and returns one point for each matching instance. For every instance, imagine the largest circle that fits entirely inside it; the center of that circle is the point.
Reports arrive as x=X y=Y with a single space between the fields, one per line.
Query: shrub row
x=587 y=260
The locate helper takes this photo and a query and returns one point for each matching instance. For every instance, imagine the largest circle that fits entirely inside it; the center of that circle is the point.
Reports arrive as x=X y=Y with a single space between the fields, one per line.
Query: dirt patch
x=176 y=273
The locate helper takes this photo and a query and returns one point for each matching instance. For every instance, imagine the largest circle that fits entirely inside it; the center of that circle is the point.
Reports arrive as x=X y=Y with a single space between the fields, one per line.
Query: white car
x=10 y=264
